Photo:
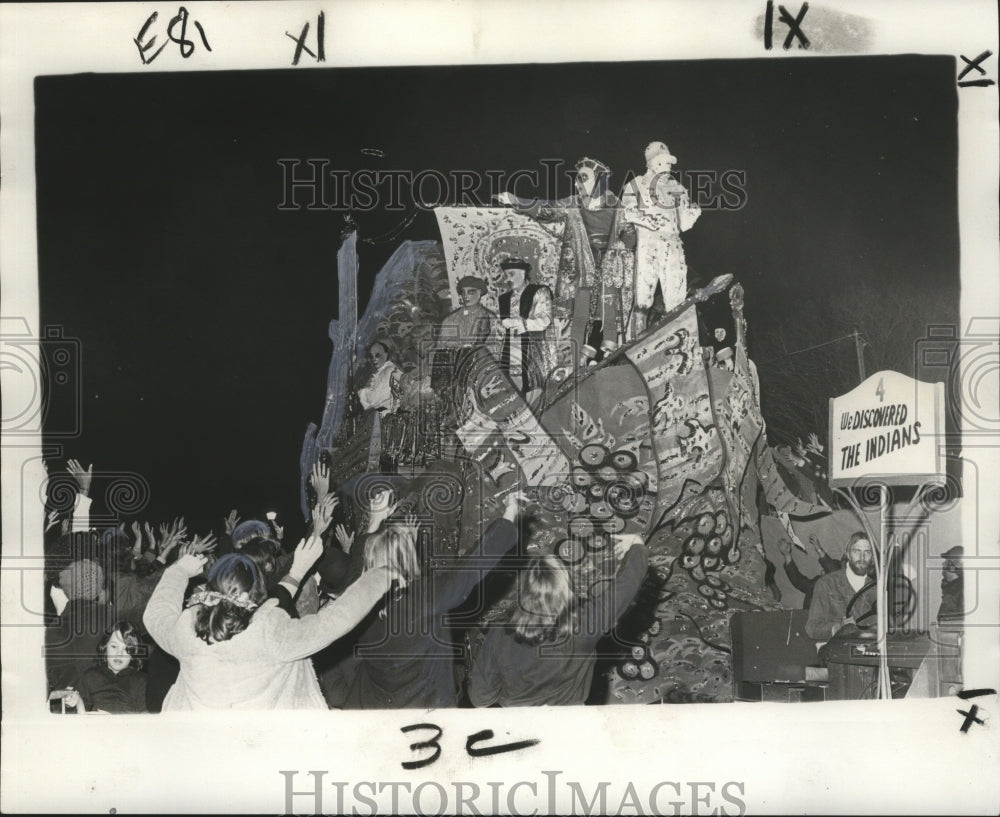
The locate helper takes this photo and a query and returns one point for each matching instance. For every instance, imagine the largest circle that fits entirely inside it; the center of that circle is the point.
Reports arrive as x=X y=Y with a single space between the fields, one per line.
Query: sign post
x=884 y=432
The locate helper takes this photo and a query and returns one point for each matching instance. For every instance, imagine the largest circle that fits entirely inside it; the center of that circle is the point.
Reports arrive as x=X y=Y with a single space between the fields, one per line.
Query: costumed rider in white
x=660 y=208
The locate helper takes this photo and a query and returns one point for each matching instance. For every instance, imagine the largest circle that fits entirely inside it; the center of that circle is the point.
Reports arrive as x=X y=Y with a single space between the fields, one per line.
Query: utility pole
x=859 y=347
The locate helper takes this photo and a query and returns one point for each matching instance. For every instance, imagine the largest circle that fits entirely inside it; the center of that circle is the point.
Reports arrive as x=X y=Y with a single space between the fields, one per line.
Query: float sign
x=891 y=428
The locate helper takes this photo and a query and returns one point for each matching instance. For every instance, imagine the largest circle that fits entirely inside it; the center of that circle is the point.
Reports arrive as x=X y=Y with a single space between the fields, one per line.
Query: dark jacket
x=71 y=644
x=511 y=673
x=406 y=655
x=101 y=689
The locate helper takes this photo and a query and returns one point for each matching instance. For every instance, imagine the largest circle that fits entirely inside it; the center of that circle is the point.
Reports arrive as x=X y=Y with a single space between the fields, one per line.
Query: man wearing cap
x=71 y=645
x=660 y=208
x=952 y=607
x=834 y=591
x=472 y=324
x=527 y=354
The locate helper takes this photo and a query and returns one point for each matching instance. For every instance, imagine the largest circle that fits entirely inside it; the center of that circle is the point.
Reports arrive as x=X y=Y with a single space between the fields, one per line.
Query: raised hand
x=785 y=548
x=345 y=539
x=137 y=531
x=323 y=514
x=231 y=521
x=409 y=525
x=172 y=535
x=513 y=504
x=814 y=444
x=306 y=553
x=624 y=542
x=320 y=480
x=148 y=530
x=202 y=544
x=83 y=477
x=52 y=520
x=191 y=564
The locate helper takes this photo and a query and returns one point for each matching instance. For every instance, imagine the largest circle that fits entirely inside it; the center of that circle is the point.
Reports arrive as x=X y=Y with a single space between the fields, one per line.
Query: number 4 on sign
x=880 y=391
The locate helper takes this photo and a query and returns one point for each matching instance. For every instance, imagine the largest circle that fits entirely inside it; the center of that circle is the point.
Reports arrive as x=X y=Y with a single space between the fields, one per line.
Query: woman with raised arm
x=405 y=654
x=547 y=653
x=236 y=648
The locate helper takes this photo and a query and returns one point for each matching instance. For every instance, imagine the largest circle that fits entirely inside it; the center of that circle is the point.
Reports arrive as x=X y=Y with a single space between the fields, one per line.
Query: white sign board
x=888 y=428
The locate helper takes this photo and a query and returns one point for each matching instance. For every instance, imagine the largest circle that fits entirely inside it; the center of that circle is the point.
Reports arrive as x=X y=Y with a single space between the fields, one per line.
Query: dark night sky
x=202 y=309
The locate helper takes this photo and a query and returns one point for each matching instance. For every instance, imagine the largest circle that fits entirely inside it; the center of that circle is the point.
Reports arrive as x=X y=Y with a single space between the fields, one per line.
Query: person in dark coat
x=404 y=655
x=952 y=607
x=528 y=353
x=547 y=653
x=71 y=644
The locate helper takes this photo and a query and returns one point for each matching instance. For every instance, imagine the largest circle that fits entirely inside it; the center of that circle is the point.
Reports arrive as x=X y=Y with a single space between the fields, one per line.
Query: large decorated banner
x=888 y=428
x=477 y=239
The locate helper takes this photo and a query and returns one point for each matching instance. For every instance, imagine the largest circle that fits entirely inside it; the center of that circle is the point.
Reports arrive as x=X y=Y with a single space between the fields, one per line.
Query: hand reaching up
x=814 y=444
x=409 y=526
x=320 y=480
x=191 y=564
x=624 y=542
x=137 y=547
x=83 y=478
x=513 y=504
x=201 y=544
x=323 y=514
x=231 y=521
x=172 y=535
x=345 y=539
x=306 y=553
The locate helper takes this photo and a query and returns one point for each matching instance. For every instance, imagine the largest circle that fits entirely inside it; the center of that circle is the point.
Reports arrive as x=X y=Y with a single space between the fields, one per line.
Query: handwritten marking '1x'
x=794 y=25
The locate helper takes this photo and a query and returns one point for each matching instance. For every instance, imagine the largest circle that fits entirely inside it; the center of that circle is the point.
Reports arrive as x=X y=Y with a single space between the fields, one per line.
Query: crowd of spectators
x=145 y=617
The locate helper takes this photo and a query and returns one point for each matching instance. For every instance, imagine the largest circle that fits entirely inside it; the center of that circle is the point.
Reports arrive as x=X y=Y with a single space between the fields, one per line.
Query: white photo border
x=866 y=757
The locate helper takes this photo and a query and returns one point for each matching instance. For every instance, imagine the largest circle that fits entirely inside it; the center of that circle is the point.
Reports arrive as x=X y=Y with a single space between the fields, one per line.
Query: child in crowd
x=115 y=683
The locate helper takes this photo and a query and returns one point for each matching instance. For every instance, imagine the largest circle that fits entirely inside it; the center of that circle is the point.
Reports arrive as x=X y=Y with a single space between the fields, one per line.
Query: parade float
x=662 y=437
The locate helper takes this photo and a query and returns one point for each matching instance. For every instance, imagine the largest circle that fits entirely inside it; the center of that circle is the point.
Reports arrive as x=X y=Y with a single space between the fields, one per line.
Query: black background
x=202 y=309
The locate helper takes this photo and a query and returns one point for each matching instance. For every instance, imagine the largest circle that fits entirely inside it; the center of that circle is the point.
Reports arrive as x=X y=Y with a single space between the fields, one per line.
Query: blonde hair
x=544 y=611
x=392 y=546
